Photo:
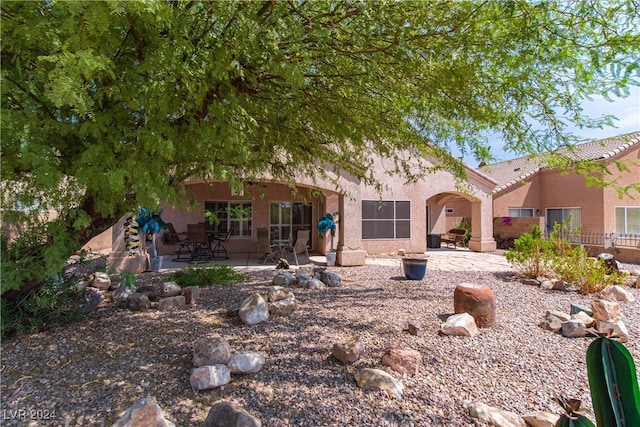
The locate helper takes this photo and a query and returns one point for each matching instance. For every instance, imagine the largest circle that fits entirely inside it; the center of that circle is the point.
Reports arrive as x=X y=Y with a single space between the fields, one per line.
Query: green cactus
x=613 y=383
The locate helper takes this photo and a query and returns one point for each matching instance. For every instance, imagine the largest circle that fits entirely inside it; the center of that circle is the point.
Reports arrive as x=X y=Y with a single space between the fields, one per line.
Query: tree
x=108 y=106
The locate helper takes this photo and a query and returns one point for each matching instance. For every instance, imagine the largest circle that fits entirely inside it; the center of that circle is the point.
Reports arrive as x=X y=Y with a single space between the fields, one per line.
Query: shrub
x=207 y=276
x=531 y=254
x=53 y=301
x=588 y=275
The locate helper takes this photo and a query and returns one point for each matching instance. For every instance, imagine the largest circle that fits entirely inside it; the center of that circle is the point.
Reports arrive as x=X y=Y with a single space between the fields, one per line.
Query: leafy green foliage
x=534 y=256
x=207 y=276
x=531 y=254
x=112 y=105
x=55 y=301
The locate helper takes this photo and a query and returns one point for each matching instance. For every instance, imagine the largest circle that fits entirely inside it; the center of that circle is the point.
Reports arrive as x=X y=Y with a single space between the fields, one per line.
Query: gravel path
x=87 y=374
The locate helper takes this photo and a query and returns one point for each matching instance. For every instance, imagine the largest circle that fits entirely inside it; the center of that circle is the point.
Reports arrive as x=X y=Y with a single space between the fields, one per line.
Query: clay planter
x=414 y=268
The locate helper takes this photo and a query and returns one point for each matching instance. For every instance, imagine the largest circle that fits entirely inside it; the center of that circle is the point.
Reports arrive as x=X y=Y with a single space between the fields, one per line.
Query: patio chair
x=201 y=246
x=302 y=238
x=219 y=251
x=172 y=237
x=265 y=247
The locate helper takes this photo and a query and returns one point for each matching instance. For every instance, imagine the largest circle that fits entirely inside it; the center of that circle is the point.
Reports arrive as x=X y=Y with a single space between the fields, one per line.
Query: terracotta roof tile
x=510 y=172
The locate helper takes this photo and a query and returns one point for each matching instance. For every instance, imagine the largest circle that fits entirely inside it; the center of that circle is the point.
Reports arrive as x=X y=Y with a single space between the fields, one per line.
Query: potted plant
x=150 y=222
x=328 y=223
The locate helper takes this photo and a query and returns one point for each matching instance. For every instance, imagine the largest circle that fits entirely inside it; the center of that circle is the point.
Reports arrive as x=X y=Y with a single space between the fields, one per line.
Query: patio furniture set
x=201 y=245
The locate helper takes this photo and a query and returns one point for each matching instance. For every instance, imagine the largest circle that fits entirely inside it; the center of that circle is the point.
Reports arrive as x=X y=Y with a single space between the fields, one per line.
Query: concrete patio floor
x=443 y=259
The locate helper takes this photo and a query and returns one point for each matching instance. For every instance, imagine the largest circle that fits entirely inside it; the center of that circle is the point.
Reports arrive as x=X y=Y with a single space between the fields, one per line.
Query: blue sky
x=625 y=110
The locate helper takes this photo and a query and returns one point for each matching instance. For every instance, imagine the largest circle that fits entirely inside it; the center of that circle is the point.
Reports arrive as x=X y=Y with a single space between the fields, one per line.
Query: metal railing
x=619 y=240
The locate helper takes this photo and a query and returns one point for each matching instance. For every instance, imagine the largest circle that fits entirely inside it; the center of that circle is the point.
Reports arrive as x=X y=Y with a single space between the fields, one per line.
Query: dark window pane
x=403 y=229
x=377 y=230
x=403 y=210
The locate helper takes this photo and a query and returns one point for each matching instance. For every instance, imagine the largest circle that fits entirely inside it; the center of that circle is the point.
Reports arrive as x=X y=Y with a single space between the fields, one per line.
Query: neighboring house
x=399 y=217
x=527 y=188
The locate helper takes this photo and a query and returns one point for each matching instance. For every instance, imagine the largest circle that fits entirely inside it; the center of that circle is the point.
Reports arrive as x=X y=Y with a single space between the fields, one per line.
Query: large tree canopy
x=110 y=105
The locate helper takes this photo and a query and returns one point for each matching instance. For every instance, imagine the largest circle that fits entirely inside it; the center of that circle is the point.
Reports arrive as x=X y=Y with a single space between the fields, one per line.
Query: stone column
x=350 y=249
x=482 y=224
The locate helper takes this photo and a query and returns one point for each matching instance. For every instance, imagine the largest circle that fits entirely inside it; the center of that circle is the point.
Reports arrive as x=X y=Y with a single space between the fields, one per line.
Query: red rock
x=477 y=300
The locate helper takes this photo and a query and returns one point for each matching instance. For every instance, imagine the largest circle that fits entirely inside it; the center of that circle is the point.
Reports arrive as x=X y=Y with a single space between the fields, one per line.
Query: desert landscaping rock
x=574 y=328
x=348 y=350
x=541 y=419
x=495 y=416
x=248 y=362
x=212 y=350
x=91 y=371
x=606 y=311
x=170 y=289
x=378 y=379
x=172 y=303
x=462 y=324
x=402 y=360
x=254 y=309
x=284 y=278
x=477 y=300
x=191 y=294
x=331 y=279
x=617 y=293
x=145 y=412
x=101 y=281
x=226 y=414
x=139 y=302
x=209 y=377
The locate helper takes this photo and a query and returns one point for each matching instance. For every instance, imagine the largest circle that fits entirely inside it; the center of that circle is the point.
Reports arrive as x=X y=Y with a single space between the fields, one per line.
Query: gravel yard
x=88 y=374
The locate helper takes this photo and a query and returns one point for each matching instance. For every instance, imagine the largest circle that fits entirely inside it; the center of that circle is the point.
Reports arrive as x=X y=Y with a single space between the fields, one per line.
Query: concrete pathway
x=439 y=260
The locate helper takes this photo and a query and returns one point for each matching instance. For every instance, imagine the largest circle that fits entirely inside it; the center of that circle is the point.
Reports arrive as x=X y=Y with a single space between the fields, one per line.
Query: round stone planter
x=414 y=268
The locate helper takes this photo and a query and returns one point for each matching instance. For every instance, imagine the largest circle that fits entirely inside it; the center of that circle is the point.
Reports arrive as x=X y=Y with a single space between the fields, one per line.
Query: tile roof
x=510 y=172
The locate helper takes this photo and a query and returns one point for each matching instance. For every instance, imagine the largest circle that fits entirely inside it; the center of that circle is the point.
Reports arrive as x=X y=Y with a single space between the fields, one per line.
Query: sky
x=625 y=110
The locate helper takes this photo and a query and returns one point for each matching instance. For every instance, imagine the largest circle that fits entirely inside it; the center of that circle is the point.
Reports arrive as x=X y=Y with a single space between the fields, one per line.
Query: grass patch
x=208 y=276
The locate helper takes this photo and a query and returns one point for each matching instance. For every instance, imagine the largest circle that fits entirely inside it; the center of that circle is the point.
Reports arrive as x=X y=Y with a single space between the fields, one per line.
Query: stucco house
x=529 y=192
x=368 y=222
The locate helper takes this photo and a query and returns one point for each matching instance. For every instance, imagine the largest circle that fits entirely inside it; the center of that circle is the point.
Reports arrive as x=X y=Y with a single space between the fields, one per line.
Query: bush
x=588 y=275
x=207 y=276
x=535 y=257
x=531 y=254
x=53 y=301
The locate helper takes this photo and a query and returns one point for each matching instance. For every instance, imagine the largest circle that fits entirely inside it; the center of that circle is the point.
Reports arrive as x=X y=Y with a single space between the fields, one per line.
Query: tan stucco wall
x=554 y=189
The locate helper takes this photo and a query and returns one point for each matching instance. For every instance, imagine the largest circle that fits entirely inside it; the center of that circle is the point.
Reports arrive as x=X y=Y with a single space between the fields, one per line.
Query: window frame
x=242 y=227
x=626 y=222
x=532 y=210
x=396 y=219
x=289 y=231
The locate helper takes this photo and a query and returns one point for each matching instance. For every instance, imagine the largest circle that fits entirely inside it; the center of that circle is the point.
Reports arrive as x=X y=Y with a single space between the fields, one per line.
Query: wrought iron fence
x=619 y=240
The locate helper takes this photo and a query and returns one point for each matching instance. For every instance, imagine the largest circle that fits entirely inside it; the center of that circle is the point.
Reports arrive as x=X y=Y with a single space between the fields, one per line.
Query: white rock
x=461 y=324
x=617 y=293
x=584 y=317
x=617 y=329
x=607 y=311
x=248 y=362
x=208 y=377
x=254 y=310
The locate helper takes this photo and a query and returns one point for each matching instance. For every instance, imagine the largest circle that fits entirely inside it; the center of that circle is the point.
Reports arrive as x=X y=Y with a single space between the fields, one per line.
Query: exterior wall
x=260 y=197
x=461 y=208
x=518 y=226
x=522 y=195
x=611 y=198
x=351 y=248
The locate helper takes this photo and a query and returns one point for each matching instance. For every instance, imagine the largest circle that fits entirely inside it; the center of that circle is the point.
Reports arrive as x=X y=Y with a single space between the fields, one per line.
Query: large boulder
x=208 y=377
x=145 y=412
x=348 y=350
x=211 y=351
x=477 y=300
x=226 y=414
x=254 y=309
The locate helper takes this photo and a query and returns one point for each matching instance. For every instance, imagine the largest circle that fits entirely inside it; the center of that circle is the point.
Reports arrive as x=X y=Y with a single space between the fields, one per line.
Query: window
x=230 y=214
x=386 y=219
x=449 y=211
x=286 y=218
x=520 y=212
x=628 y=219
x=570 y=216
